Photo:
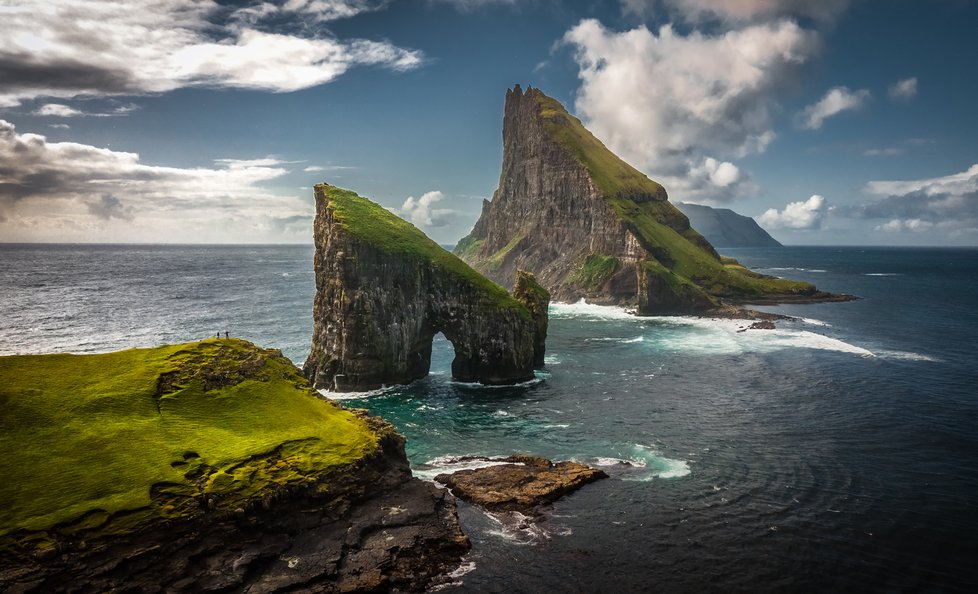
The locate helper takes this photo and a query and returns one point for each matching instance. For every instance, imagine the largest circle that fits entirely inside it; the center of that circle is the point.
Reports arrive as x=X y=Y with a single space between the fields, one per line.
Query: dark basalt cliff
x=205 y=467
x=384 y=289
x=723 y=227
x=587 y=224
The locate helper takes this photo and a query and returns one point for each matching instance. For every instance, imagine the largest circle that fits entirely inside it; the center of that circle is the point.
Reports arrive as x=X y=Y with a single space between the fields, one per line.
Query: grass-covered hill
x=104 y=444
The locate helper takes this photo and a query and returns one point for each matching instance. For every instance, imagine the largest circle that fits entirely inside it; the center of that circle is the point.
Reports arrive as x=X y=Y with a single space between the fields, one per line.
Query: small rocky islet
x=216 y=466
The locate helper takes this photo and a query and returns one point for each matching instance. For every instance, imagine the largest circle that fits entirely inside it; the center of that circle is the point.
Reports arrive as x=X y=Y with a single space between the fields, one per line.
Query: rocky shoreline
x=367 y=527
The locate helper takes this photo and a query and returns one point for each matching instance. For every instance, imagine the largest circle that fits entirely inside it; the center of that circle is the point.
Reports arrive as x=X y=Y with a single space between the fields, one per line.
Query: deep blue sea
x=838 y=453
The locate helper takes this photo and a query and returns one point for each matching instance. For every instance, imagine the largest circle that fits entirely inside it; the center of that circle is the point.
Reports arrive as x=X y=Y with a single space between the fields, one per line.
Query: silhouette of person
x=226 y=335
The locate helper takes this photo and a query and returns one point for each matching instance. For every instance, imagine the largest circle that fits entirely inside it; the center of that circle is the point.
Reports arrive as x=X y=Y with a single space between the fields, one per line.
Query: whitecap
x=907 y=356
x=449 y=464
x=657 y=465
x=883 y=274
x=585 y=310
x=814 y=322
x=355 y=395
x=534 y=381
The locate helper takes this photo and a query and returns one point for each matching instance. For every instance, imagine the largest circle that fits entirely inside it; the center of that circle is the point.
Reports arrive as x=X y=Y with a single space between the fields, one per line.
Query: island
x=724 y=228
x=589 y=225
x=384 y=290
x=205 y=466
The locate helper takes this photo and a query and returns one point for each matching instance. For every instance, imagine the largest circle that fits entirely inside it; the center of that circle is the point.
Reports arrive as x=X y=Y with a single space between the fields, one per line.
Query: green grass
x=382 y=229
x=613 y=176
x=657 y=225
x=597 y=268
x=88 y=437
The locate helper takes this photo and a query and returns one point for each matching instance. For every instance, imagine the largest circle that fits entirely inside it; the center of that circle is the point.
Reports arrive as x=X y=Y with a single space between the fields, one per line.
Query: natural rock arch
x=383 y=290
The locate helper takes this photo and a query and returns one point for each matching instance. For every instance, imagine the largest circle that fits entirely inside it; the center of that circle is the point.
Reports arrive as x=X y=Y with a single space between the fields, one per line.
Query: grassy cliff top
x=105 y=443
x=613 y=176
x=658 y=226
x=379 y=227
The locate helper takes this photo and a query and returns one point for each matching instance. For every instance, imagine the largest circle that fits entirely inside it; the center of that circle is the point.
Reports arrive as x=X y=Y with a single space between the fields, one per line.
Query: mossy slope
x=389 y=233
x=658 y=226
x=675 y=255
x=103 y=444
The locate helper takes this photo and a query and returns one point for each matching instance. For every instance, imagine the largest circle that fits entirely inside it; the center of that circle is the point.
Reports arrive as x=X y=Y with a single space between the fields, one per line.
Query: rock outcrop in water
x=205 y=467
x=587 y=224
x=384 y=289
x=521 y=483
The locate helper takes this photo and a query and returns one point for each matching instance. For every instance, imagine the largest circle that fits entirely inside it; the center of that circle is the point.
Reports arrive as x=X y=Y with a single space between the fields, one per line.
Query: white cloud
x=957 y=184
x=671 y=104
x=835 y=101
x=57 y=110
x=796 y=215
x=912 y=225
x=736 y=10
x=66 y=191
x=422 y=212
x=74 y=48
x=903 y=89
x=883 y=152
x=313 y=169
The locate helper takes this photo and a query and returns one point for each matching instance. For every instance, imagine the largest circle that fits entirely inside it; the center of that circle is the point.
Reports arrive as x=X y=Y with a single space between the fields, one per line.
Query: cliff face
x=217 y=468
x=383 y=290
x=587 y=224
x=723 y=227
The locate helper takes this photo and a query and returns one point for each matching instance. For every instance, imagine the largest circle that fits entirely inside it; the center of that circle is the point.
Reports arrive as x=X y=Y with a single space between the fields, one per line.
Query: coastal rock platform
x=519 y=483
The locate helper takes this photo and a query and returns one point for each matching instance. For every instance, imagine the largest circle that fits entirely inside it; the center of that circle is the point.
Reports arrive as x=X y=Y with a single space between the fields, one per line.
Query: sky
x=839 y=122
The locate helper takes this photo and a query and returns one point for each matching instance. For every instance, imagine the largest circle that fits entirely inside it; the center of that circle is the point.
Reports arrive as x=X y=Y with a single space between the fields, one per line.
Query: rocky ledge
x=205 y=467
x=519 y=483
x=384 y=289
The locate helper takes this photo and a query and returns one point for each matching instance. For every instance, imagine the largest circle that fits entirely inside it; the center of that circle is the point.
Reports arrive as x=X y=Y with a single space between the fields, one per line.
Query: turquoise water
x=837 y=453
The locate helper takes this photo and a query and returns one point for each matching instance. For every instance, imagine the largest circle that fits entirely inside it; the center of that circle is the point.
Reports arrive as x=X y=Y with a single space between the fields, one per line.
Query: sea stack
x=384 y=290
x=589 y=225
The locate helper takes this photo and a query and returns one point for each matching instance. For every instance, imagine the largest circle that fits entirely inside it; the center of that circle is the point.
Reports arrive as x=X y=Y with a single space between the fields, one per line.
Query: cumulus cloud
x=59 y=110
x=423 y=213
x=796 y=215
x=66 y=191
x=736 y=10
x=74 y=48
x=677 y=106
x=948 y=203
x=835 y=101
x=903 y=89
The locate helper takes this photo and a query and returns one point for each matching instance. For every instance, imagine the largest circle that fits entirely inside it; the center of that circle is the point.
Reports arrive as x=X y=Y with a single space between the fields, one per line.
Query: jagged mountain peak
x=590 y=225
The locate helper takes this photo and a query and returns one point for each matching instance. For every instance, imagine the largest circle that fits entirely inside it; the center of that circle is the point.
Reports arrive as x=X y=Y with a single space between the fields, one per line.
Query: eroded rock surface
x=373 y=528
x=589 y=225
x=383 y=290
x=522 y=484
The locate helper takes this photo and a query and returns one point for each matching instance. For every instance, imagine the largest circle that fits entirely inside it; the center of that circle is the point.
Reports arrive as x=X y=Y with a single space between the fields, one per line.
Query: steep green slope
x=103 y=444
x=389 y=233
x=657 y=225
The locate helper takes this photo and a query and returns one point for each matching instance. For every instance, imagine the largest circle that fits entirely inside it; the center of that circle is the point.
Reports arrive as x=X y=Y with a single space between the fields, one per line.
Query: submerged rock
x=522 y=483
x=589 y=225
x=208 y=466
x=383 y=290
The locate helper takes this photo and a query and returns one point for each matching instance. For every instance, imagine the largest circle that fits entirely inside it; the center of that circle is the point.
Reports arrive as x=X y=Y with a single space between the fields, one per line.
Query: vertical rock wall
x=378 y=306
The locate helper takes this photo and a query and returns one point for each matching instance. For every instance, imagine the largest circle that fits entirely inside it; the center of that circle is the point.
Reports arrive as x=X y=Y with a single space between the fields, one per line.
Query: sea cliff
x=384 y=289
x=589 y=225
x=208 y=466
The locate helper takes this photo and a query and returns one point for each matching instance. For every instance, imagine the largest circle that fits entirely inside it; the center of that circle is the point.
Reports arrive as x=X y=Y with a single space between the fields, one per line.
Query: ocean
x=838 y=453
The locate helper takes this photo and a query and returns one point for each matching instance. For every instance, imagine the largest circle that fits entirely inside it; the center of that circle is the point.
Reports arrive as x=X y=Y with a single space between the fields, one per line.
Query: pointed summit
x=589 y=225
